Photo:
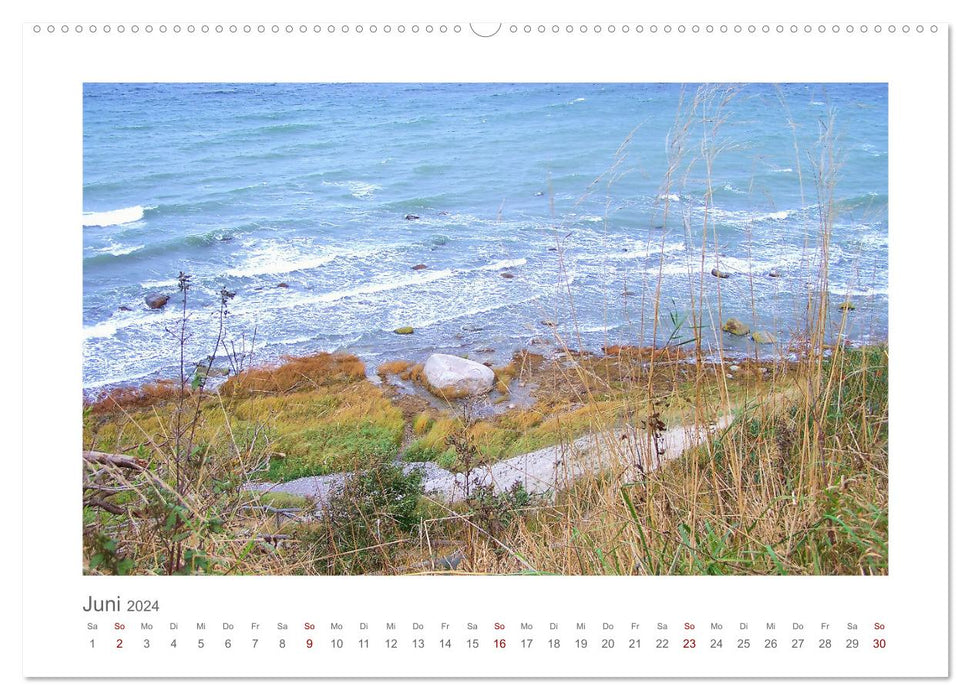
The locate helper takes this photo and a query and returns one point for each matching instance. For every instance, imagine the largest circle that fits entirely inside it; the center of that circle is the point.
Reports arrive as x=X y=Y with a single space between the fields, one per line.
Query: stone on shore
x=454 y=377
x=156 y=300
x=203 y=370
x=735 y=327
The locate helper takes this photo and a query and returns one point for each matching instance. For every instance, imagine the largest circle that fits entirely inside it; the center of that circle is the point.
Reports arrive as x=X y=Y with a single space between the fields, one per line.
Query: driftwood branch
x=113 y=460
x=106 y=489
x=104 y=505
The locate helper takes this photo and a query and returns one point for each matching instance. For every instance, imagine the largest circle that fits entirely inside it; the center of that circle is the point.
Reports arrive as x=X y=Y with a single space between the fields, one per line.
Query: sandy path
x=544 y=471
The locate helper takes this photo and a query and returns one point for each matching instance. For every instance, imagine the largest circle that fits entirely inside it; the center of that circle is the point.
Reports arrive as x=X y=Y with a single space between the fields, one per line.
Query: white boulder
x=455 y=377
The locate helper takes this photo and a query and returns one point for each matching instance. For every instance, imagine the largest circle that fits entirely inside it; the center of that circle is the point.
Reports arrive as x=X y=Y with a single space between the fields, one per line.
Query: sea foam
x=505 y=264
x=115 y=217
x=117 y=249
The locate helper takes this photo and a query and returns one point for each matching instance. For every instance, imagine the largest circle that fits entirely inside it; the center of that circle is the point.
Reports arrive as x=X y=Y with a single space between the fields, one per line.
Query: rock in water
x=507 y=275
x=735 y=327
x=156 y=300
x=404 y=330
x=719 y=274
x=419 y=266
x=412 y=217
x=764 y=337
x=454 y=377
x=847 y=306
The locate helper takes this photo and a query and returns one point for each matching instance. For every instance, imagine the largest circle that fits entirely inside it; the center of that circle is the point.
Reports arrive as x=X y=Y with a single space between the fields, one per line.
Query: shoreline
x=771 y=352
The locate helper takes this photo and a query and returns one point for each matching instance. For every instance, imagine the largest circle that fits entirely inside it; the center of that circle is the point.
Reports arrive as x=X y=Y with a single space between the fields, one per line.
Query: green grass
x=333 y=448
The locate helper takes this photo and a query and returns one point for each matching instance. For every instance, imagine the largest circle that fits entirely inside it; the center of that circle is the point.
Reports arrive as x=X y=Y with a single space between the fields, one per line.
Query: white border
x=923 y=153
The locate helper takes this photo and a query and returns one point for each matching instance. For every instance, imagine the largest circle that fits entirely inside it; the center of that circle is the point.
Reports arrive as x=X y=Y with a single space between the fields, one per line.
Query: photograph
x=453 y=329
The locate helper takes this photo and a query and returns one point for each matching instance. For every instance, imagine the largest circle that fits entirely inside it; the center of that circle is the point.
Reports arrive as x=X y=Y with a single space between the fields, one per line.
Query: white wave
x=120 y=379
x=271 y=262
x=742 y=217
x=781 y=170
x=357 y=188
x=602 y=328
x=674 y=268
x=366 y=290
x=776 y=215
x=503 y=264
x=633 y=253
x=155 y=284
x=129 y=319
x=105 y=329
x=579 y=99
x=117 y=249
x=432 y=321
x=670 y=197
x=778 y=260
x=114 y=217
x=280 y=257
x=856 y=292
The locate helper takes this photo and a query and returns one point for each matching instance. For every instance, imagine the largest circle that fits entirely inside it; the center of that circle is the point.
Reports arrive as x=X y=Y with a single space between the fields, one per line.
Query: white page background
x=485 y=67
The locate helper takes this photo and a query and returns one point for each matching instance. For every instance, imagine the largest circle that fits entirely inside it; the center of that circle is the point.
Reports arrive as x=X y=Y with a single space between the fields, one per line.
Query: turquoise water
x=584 y=194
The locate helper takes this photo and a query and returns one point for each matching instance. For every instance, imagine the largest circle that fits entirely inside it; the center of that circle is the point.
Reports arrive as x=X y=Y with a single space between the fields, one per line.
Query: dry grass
x=297 y=374
x=401 y=368
x=130 y=398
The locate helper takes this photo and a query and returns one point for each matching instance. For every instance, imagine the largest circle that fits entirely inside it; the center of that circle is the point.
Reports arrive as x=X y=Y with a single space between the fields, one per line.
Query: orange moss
x=129 y=398
x=400 y=367
x=297 y=374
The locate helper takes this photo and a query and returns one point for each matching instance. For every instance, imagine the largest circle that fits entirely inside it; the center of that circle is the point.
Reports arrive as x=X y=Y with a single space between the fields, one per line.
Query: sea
x=488 y=218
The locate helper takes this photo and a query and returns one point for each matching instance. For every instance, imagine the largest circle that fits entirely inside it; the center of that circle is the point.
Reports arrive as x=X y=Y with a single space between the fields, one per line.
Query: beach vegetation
x=364 y=524
x=399 y=368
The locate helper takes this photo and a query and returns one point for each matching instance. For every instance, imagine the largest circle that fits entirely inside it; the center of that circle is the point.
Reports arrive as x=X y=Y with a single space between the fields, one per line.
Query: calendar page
x=547 y=346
